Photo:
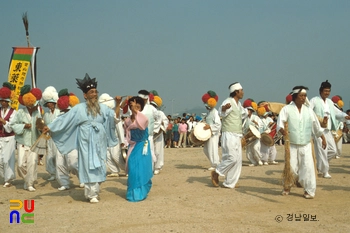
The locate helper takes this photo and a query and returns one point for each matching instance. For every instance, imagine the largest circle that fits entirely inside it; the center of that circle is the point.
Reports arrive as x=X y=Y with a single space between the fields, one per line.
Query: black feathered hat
x=87 y=83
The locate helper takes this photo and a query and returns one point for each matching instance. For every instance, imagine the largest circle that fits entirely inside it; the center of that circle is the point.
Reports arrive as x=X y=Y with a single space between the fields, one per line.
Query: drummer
x=213 y=123
x=160 y=126
x=253 y=147
x=268 y=153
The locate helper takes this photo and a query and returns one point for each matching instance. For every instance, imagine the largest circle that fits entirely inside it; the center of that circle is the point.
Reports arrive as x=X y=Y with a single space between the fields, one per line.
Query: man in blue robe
x=90 y=128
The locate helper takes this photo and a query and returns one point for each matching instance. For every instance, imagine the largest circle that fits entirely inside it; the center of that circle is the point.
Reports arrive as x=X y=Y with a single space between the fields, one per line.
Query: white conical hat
x=49 y=95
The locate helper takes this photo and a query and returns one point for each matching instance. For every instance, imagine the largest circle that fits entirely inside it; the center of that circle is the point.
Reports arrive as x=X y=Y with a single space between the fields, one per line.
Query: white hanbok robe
x=51 y=147
x=268 y=153
x=66 y=164
x=211 y=146
x=301 y=160
x=253 y=148
x=7 y=149
x=160 y=125
x=328 y=108
x=151 y=113
x=115 y=160
x=27 y=160
x=231 y=163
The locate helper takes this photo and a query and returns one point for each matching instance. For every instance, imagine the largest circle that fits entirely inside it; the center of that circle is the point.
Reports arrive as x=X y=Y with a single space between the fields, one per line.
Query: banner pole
x=26 y=27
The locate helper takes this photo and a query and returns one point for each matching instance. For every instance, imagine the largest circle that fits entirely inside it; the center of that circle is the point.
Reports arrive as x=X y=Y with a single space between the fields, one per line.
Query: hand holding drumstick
x=206 y=127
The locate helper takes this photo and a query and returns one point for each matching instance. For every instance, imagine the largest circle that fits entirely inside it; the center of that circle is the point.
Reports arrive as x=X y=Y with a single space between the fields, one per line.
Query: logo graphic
x=279 y=218
x=15 y=215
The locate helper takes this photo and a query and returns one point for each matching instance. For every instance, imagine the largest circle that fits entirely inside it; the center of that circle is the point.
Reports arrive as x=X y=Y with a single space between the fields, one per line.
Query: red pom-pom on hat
x=37 y=93
x=63 y=102
x=150 y=97
x=289 y=98
x=335 y=99
x=5 y=93
x=205 y=97
x=20 y=99
x=247 y=103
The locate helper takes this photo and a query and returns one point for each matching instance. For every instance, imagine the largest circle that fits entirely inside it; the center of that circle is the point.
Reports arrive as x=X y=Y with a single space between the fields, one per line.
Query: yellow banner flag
x=22 y=60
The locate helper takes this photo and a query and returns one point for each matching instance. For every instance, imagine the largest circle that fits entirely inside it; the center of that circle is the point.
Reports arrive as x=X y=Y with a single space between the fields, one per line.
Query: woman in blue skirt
x=139 y=159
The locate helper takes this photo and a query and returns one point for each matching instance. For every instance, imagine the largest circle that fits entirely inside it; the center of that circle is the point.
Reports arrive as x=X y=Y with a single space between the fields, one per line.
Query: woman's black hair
x=138 y=100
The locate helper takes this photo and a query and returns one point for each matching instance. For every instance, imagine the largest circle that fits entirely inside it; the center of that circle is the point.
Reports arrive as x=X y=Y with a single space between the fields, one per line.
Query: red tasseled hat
x=63 y=102
x=247 y=103
x=205 y=97
x=335 y=99
x=5 y=93
x=151 y=97
x=37 y=93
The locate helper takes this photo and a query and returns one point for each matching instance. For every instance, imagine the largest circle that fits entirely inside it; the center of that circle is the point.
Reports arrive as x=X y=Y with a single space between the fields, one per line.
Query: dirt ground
x=183 y=199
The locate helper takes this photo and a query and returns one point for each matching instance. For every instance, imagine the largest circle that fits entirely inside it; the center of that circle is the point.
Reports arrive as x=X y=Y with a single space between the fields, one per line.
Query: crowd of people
x=111 y=133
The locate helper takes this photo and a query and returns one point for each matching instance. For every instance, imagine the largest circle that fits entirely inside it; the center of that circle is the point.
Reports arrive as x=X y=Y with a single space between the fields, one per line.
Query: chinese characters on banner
x=22 y=60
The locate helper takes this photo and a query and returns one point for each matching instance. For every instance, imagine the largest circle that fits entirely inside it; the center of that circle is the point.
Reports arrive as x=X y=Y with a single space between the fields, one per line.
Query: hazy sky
x=184 y=48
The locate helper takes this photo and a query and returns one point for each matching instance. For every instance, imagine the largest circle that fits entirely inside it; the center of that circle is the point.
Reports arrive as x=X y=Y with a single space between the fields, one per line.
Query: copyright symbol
x=278 y=218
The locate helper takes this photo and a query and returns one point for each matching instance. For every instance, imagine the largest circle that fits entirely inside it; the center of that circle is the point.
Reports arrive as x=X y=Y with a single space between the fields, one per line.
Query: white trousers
x=211 y=150
x=115 y=161
x=324 y=155
x=66 y=164
x=91 y=190
x=27 y=164
x=7 y=158
x=268 y=153
x=159 y=152
x=51 y=157
x=231 y=163
x=150 y=139
x=302 y=165
x=345 y=137
x=253 y=152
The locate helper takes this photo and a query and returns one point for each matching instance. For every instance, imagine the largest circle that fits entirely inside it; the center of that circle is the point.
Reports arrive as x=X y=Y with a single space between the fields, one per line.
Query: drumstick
x=43 y=135
x=112 y=99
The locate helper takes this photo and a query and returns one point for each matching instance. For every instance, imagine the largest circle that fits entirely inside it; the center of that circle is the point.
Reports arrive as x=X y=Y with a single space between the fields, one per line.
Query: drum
x=266 y=139
x=252 y=134
x=337 y=135
x=198 y=135
x=273 y=130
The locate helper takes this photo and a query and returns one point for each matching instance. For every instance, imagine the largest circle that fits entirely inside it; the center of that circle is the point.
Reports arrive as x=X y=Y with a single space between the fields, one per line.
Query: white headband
x=235 y=87
x=296 y=91
x=143 y=96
